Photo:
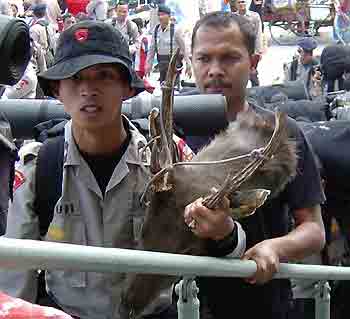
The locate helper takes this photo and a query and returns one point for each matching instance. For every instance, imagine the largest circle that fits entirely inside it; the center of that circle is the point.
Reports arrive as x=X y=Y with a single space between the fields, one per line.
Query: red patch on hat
x=81 y=35
x=19 y=180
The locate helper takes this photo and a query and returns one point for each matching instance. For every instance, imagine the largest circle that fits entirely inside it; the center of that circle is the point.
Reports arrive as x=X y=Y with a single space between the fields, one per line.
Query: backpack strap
x=114 y=21
x=293 y=70
x=156 y=30
x=129 y=31
x=47 y=192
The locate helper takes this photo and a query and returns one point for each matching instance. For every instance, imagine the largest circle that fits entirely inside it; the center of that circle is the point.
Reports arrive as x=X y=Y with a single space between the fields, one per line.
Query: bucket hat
x=85 y=44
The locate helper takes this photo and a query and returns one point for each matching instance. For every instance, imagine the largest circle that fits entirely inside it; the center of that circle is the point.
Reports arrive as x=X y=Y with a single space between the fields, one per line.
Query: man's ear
x=128 y=93
x=254 y=60
x=54 y=87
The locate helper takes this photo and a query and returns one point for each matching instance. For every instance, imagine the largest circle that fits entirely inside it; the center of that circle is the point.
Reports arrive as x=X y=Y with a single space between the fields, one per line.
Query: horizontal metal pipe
x=30 y=254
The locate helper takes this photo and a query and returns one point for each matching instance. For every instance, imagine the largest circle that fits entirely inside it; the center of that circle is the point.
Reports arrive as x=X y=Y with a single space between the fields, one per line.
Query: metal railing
x=19 y=254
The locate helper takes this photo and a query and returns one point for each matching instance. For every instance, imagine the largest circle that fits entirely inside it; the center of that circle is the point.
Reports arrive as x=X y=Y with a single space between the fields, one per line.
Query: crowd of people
x=94 y=59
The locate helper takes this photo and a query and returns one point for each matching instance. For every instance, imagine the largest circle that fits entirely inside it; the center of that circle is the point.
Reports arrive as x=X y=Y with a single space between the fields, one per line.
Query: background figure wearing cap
x=97 y=9
x=302 y=62
x=166 y=39
x=103 y=176
x=127 y=27
x=42 y=32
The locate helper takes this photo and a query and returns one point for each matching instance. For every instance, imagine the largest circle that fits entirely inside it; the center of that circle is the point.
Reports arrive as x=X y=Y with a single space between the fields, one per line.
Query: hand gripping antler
x=233 y=182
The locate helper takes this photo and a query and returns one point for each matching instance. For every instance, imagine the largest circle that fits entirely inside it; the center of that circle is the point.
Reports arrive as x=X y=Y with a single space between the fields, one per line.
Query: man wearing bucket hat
x=104 y=173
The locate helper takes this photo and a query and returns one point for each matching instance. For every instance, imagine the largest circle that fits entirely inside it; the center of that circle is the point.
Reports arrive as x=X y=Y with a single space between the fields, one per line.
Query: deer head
x=251 y=160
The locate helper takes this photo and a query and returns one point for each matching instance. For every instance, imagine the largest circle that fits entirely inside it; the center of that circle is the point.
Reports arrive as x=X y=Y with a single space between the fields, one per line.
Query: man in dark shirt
x=222 y=58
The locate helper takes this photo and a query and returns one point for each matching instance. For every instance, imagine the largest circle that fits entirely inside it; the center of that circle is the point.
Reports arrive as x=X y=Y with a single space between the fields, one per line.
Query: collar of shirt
x=166 y=29
x=247 y=13
x=122 y=24
x=133 y=154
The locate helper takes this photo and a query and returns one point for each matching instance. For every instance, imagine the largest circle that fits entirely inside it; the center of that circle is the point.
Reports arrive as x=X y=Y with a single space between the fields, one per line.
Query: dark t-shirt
x=102 y=166
x=229 y=296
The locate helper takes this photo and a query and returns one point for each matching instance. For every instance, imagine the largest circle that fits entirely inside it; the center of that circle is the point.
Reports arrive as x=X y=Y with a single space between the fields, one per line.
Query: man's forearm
x=305 y=240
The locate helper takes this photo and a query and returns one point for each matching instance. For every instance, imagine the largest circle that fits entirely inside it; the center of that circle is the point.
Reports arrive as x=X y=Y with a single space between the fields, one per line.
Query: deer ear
x=245 y=203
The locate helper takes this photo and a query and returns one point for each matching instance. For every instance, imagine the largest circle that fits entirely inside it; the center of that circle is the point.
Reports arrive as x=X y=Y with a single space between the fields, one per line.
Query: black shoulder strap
x=129 y=30
x=293 y=70
x=48 y=180
x=172 y=33
x=114 y=21
x=156 y=29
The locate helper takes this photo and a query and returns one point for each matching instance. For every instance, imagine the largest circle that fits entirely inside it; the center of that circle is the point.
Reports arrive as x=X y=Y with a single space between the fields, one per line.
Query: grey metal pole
x=323 y=300
x=188 y=303
x=31 y=254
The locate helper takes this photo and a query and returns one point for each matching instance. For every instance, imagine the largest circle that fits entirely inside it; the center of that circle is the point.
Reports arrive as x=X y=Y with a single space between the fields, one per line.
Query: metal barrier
x=30 y=254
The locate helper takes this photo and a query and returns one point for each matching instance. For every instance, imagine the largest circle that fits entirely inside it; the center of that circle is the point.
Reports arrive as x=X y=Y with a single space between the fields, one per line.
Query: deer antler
x=163 y=148
x=233 y=182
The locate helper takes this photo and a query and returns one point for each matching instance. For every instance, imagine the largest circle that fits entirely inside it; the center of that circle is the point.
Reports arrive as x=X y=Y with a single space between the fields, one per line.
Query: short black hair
x=139 y=22
x=66 y=16
x=123 y=3
x=220 y=19
x=39 y=13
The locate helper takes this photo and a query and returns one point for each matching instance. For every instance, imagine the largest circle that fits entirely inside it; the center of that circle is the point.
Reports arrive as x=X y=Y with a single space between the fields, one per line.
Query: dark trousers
x=253 y=77
x=163 y=62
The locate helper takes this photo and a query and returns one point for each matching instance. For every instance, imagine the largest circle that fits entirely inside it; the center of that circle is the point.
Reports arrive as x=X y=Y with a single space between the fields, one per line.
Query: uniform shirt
x=302 y=70
x=84 y=216
x=163 y=44
x=25 y=88
x=129 y=30
x=39 y=35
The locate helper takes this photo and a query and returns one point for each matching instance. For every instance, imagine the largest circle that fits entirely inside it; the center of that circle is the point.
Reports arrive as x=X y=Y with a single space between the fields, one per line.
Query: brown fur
x=164 y=228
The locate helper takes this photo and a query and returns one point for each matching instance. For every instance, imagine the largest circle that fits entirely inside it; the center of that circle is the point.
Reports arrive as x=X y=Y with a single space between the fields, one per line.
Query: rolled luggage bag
x=14 y=49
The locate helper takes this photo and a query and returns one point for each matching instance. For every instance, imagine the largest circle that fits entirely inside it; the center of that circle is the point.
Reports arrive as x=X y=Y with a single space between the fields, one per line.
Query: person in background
x=142 y=50
x=128 y=28
x=13 y=10
x=68 y=20
x=4 y=7
x=257 y=6
x=166 y=38
x=97 y=10
x=302 y=62
x=42 y=32
x=255 y=21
